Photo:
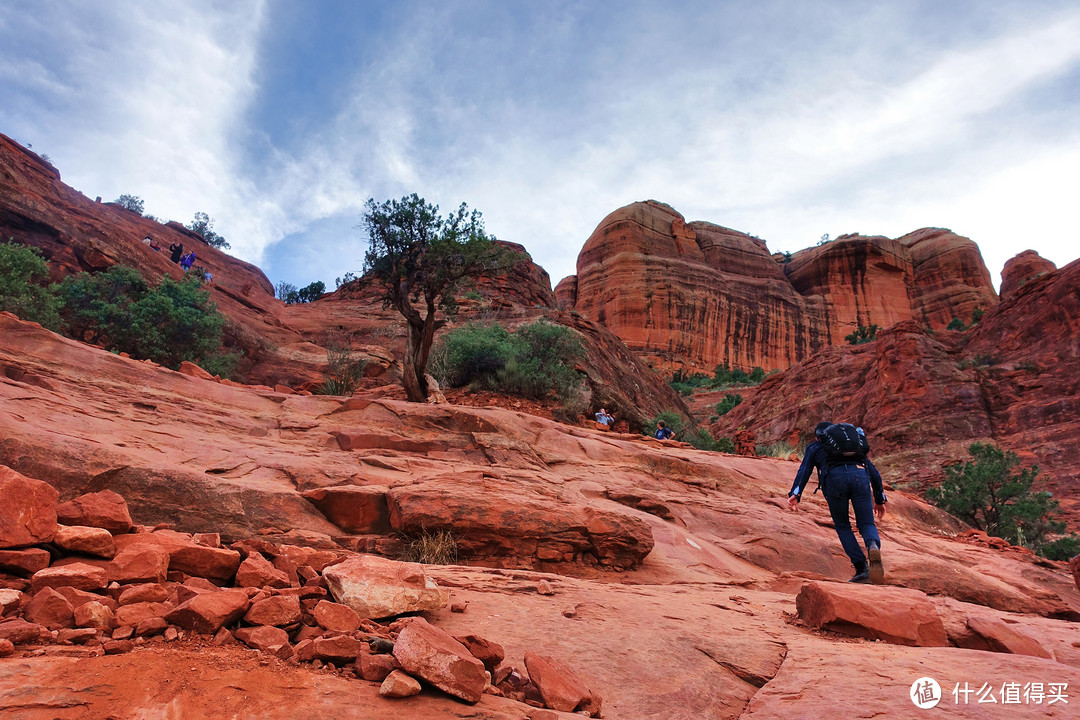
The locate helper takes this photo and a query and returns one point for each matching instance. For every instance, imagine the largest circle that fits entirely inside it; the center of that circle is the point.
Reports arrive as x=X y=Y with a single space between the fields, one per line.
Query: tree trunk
x=412 y=371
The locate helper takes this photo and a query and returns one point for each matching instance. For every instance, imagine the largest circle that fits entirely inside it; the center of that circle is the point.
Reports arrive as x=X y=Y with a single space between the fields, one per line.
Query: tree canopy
x=203 y=225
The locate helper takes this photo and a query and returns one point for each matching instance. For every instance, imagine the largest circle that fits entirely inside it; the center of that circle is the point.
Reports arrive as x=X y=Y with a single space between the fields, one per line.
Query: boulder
x=257 y=571
x=86 y=540
x=132 y=615
x=10 y=600
x=7 y=648
x=80 y=576
x=150 y=626
x=185 y=555
x=374 y=668
x=49 y=608
x=208 y=612
x=20 y=631
x=105 y=509
x=399 y=685
x=279 y=611
x=488 y=652
x=24 y=562
x=1001 y=637
x=144 y=592
x=262 y=637
x=377 y=588
x=336 y=617
x=561 y=689
x=80 y=597
x=1022 y=269
x=895 y=615
x=432 y=655
x=28 y=511
x=338 y=649
x=94 y=615
x=139 y=564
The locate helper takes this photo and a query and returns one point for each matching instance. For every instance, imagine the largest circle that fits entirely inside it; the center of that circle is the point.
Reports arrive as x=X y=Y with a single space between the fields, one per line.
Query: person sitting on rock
x=663 y=432
x=846 y=475
x=603 y=420
x=177 y=252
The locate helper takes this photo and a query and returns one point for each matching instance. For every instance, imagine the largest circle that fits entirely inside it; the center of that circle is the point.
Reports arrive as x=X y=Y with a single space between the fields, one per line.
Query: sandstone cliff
x=696 y=294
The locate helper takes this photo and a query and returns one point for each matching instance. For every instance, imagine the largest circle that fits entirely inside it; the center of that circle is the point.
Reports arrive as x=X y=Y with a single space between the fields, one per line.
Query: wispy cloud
x=783 y=119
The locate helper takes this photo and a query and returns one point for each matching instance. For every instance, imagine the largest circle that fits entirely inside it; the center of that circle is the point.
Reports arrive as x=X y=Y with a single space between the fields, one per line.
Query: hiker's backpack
x=843 y=443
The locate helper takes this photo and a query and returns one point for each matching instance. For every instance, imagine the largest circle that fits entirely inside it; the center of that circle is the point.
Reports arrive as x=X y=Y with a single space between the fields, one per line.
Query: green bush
x=955 y=324
x=862 y=334
x=703 y=440
x=344 y=372
x=992 y=493
x=22 y=271
x=723 y=376
x=728 y=403
x=536 y=360
x=222 y=364
x=168 y=324
x=672 y=419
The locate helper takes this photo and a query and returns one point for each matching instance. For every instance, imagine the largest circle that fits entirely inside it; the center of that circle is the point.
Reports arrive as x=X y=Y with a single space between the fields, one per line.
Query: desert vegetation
x=118 y=310
x=992 y=492
x=535 y=360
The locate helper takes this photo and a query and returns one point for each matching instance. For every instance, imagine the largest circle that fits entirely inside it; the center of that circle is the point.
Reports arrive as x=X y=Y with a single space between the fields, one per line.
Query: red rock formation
x=1022 y=269
x=698 y=294
x=1011 y=379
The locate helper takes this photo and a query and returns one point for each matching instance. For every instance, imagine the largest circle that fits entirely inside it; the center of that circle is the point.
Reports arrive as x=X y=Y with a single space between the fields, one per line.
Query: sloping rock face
x=697 y=294
x=703 y=625
x=1012 y=379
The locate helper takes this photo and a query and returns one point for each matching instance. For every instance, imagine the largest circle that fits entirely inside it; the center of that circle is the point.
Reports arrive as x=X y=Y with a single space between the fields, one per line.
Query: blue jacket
x=817 y=457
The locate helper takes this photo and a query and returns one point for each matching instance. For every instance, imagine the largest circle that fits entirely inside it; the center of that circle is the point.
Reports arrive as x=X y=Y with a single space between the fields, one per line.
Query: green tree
x=728 y=403
x=311 y=292
x=203 y=226
x=23 y=271
x=955 y=324
x=991 y=492
x=418 y=256
x=96 y=307
x=862 y=334
x=117 y=309
x=134 y=203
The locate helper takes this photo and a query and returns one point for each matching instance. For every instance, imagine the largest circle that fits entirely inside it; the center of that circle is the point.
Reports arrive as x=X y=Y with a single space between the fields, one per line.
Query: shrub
x=862 y=334
x=992 y=493
x=955 y=324
x=783 y=450
x=286 y=292
x=222 y=364
x=703 y=440
x=431 y=548
x=672 y=419
x=344 y=373
x=203 y=226
x=728 y=403
x=976 y=316
x=134 y=203
x=168 y=324
x=536 y=360
x=22 y=271
x=724 y=376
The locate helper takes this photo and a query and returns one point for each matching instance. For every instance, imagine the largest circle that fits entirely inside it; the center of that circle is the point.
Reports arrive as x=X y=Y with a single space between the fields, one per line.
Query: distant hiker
x=187 y=261
x=663 y=432
x=147 y=241
x=846 y=475
x=603 y=420
x=177 y=250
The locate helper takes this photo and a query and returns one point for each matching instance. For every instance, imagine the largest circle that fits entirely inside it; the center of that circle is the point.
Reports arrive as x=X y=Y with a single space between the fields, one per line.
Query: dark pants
x=851 y=483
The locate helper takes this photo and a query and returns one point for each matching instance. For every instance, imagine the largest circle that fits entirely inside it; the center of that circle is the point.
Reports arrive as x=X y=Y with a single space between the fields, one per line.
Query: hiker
x=605 y=420
x=663 y=432
x=188 y=260
x=177 y=250
x=846 y=475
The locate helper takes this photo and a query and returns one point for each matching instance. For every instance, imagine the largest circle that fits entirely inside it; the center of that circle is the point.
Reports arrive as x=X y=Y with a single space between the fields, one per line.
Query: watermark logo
x=925 y=693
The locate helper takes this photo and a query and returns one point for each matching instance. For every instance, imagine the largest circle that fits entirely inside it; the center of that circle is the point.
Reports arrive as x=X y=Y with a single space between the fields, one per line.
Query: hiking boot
x=877 y=570
x=862 y=574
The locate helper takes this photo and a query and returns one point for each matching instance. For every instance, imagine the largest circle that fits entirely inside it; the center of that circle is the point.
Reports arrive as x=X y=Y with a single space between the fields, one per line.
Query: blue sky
x=779 y=118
